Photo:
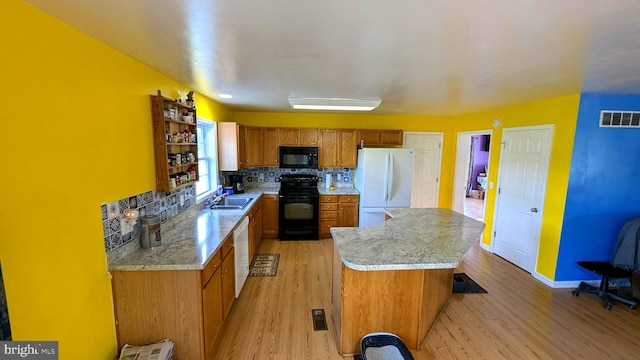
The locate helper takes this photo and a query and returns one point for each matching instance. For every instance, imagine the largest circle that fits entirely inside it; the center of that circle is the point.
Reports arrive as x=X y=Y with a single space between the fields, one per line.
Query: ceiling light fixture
x=334 y=104
x=226 y=96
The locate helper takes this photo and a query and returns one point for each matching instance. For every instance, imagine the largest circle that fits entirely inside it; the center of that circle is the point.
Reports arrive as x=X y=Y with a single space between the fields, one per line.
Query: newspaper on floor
x=162 y=350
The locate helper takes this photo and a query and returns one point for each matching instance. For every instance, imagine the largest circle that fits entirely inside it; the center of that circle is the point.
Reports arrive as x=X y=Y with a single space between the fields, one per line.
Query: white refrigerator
x=384 y=179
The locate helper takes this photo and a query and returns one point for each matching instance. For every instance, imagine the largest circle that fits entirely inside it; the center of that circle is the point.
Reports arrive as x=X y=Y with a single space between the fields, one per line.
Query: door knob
x=534 y=210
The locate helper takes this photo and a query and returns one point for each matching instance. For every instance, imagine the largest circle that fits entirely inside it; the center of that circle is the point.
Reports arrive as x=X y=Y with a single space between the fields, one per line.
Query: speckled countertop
x=413 y=239
x=338 y=191
x=190 y=238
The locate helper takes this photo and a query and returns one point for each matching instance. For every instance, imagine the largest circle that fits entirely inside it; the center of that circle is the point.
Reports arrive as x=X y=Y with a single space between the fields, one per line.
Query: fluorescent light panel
x=334 y=104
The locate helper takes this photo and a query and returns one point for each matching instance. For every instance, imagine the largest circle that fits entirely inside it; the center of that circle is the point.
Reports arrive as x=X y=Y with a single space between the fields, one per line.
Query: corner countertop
x=338 y=191
x=430 y=238
x=190 y=238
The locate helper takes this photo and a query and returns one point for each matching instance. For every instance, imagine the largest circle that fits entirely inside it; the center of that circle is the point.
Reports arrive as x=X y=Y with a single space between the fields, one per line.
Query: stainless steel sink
x=235 y=203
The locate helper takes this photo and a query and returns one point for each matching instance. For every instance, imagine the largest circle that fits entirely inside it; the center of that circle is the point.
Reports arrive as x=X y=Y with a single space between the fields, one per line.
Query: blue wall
x=604 y=186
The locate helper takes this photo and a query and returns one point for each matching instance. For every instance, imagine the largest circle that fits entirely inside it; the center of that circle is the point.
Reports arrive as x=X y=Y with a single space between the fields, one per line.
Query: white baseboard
x=486 y=247
x=563 y=284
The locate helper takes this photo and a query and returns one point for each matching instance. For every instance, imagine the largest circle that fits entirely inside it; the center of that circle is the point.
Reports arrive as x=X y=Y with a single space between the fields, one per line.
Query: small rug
x=462 y=284
x=264 y=265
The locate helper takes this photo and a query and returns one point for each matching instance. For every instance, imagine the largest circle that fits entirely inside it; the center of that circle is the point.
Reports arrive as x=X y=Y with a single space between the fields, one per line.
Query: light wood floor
x=474 y=208
x=519 y=318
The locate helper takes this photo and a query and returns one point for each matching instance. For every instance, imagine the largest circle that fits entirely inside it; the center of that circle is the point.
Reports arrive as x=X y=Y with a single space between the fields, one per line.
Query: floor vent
x=620 y=119
x=319 y=319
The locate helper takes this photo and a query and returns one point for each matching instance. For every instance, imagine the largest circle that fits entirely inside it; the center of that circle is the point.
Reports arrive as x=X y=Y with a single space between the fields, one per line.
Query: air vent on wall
x=620 y=119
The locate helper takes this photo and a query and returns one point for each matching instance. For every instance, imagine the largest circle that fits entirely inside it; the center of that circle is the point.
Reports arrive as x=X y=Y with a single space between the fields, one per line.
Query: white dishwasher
x=241 y=247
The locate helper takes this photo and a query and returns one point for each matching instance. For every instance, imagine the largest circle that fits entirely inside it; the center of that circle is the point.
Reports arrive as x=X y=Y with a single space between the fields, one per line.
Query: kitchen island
x=397 y=276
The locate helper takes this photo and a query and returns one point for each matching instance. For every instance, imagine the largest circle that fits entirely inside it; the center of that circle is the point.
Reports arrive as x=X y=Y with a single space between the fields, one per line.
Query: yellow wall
x=562 y=112
x=76 y=133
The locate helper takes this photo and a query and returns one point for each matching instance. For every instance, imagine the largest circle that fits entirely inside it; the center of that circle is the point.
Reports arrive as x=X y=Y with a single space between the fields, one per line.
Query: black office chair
x=608 y=273
x=626 y=258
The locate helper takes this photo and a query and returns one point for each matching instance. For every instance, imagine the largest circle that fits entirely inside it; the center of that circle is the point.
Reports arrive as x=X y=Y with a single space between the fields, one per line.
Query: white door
x=372 y=176
x=524 y=164
x=427 y=156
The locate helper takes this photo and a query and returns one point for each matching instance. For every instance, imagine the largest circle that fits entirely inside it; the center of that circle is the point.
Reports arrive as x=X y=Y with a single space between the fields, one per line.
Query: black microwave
x=298 y=157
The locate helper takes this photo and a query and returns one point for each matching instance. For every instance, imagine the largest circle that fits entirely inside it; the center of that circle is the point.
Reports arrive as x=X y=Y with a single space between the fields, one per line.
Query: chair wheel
x=575 y=293
x=608 y=306
x=633 y=307
x=582 y=286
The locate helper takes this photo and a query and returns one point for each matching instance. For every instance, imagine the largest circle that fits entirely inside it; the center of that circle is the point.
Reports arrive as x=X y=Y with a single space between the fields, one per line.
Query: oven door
x=298 y=217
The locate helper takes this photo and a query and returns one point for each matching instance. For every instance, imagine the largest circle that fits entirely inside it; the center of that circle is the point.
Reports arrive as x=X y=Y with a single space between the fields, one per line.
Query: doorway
x=473 y=151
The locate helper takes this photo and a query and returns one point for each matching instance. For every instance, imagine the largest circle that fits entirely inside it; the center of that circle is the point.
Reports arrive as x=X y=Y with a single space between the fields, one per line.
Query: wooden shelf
x=161 y=127
x=183 y=185
x=180 y=122
x=175 y=167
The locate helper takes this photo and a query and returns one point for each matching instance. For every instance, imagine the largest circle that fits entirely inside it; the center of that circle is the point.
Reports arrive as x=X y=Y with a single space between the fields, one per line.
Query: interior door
x=427 y=157
x=524 y=164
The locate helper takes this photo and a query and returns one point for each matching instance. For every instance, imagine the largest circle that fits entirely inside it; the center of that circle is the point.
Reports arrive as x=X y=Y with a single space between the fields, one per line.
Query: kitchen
x=106 y=131
x=214 y=228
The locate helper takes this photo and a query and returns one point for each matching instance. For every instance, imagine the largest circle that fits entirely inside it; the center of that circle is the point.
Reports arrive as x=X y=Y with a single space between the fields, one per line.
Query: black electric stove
x=299 y=207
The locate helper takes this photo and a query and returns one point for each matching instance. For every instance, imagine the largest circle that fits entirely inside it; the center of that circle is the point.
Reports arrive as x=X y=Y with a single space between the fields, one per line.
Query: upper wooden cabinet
x=337 y=148
x=270 y=146
x=253 y=146
x=379 y=137
x=231 y=146
x=297 y=136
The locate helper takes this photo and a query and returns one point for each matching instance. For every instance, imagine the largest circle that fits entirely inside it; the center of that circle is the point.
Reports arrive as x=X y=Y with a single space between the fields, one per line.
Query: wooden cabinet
x=253 y=146
x=228 y=280
x=231 y=146
x=270 y=147
x=255 y=228
x=337 y=210
x=297 y=136
x=212 y=309
x=187 y=306
x=174 y=143
x=379 y=137
x=337 y=148
x=270 y=216
x=348 y=210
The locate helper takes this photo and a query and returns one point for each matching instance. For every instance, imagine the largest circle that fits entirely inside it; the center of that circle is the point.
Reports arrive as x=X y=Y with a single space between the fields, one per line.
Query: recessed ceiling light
x=334 y=104
x=226 y=96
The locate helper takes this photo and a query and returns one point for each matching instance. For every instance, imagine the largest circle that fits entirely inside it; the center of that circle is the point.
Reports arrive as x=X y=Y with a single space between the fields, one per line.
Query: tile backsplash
x=149 y=203
x=256 y=175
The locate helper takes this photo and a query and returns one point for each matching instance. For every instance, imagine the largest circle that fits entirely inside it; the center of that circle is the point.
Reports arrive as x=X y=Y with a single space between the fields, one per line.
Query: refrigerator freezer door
x=371 y=216
x=400 y=178
x=371 y=177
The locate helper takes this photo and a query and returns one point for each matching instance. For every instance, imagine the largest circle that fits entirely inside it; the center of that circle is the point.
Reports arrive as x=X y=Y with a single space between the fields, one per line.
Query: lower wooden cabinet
x=337 y=210
x=186 y=306
x=270 y=216
x=255 y=228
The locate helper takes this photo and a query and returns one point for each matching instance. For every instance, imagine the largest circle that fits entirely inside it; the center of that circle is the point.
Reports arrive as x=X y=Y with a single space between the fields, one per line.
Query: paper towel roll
x=328 y=180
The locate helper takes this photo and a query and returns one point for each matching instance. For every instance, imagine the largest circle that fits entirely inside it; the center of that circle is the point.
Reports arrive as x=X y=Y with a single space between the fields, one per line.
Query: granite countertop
x=338 y=191
x=413 y=239
x=190 y=238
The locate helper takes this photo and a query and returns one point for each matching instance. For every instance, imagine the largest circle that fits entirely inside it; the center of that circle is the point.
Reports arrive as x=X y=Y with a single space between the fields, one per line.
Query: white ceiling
x=427 y=57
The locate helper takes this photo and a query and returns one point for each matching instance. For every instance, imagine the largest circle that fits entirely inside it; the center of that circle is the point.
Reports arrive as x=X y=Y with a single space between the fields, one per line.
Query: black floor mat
x=462 y=284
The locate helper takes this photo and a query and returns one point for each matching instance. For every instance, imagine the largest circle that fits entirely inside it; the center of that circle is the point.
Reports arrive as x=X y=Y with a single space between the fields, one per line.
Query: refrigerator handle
x=390 y=182
x=386 y=177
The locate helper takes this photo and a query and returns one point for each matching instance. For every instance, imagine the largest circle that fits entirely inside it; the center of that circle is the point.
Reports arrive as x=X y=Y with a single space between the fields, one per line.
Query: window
x=207 y=158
